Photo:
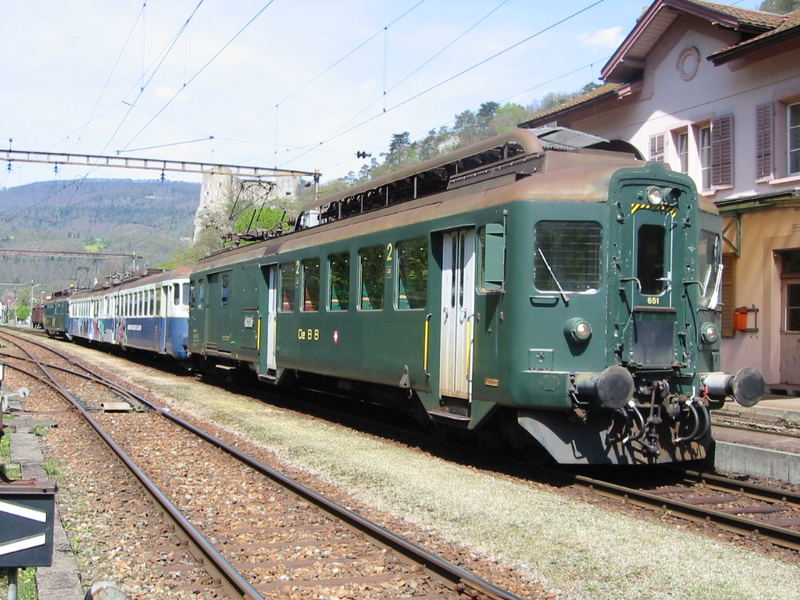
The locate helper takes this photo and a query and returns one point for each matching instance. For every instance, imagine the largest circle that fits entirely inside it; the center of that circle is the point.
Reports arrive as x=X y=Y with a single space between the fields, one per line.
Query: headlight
x=654 y=196
x=578 y=330
x=710 y=332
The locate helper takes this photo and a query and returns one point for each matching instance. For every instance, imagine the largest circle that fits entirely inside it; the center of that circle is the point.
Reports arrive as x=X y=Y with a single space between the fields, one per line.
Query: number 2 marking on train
x=389 y=252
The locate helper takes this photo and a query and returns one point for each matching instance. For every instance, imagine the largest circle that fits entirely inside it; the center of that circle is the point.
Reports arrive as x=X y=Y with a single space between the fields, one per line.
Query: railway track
x=269 y=539
x=734 y=505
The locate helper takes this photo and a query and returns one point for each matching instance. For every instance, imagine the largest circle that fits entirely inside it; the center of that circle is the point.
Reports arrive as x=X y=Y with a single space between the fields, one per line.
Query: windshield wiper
x=553 y=275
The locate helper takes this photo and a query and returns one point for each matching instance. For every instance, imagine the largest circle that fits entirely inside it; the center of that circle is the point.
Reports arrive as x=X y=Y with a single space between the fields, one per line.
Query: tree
x=23 y=312
x=780 y=7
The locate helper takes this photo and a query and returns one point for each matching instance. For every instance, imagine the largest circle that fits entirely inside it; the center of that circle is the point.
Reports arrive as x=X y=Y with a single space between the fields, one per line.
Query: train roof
x=493 y=171
x=146 y=279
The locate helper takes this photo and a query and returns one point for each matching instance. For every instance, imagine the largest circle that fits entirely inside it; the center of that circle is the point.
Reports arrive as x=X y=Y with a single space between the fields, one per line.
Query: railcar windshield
x=709 y=268
x=567 y=256
x=651 y=260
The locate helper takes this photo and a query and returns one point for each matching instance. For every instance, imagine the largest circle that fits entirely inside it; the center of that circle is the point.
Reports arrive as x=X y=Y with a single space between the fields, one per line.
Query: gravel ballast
x=581 y=550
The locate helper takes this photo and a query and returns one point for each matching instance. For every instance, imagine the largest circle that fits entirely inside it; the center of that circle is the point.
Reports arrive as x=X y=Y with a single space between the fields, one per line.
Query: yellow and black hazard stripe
x=672 y=210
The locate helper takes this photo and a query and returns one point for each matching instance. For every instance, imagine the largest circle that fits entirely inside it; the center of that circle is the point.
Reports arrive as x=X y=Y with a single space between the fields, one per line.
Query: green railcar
x=56 y=315
x=535 y=288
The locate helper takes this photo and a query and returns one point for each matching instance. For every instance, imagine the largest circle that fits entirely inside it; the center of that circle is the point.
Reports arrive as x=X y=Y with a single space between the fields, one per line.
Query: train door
x=268 y=303
x=457 y=318
x=649 y=287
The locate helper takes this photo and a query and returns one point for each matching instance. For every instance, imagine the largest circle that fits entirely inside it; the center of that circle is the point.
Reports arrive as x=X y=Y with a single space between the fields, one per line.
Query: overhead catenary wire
x=448 y=79
x=198 y=72
x=311 y=80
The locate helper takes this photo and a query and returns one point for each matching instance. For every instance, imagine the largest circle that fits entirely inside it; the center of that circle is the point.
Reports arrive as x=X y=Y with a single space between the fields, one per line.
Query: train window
x=709 y=260
x=176 y=294
x=373 y=266
x=201 y=293
x=225 y=290
x=567 y=256
x=185 y=296
x=151 y=295
x=412 y=274
x=650 y=263
x=339 y=269
x=159 y=293
x=311 y=284
x=492 y=257
x=288 y=283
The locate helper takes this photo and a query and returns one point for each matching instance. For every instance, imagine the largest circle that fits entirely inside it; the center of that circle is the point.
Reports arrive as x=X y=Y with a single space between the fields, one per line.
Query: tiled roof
x=756 y=18
x=789 y=26
x=607 y=89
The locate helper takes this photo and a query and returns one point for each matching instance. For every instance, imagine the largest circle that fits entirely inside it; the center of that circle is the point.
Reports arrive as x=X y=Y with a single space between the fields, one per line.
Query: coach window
x=185 y=298
x=650 y=259
x=412 y=273
x=288 y=283
x=373 y=266
x=176 y=294
x=151 y=295
x=566 y=256
x=311 y=284
x=339 y=269
x=201 y=293
x=226 y=288
x=159 y=293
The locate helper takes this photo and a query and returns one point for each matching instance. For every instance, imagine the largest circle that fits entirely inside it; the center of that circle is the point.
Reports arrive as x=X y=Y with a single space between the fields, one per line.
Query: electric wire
x=308 y=82
x=113 y=70
x=447 y=80
x=163 y=56
x=197 y=73
x=425 y=63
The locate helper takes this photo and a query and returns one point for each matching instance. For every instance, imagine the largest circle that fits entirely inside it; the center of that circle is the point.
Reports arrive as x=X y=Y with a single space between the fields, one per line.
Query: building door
x=790 y=331
x=457 y=318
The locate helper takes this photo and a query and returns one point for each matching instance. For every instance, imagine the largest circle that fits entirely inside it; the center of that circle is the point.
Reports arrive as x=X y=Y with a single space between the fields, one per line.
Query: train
x=542 y=288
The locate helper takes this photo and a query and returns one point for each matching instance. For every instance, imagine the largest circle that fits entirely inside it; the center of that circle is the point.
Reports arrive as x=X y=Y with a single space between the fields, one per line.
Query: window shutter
x=764 y=140
x=728 y=280
x=657 y=147
x=722 y=151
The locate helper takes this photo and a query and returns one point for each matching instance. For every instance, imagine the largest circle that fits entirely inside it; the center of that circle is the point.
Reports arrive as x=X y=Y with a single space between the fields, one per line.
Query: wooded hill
x=150 y=218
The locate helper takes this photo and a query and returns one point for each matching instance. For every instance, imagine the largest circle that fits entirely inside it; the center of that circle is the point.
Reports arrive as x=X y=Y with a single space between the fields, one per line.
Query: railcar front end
x=624 y=312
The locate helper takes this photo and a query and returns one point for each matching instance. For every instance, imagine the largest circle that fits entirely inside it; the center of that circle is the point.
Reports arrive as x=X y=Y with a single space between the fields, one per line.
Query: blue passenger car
x=150 y=313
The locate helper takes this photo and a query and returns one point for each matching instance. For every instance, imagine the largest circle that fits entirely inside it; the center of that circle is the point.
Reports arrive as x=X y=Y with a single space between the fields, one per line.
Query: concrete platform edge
x=757 y=462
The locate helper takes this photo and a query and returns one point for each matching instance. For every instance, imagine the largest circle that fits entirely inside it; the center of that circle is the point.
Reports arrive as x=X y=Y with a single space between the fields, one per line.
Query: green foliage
x=208 y=241
x=259 y=218
x=780 y=7
x=23 y=312
x=95 y=245
x=491 y=118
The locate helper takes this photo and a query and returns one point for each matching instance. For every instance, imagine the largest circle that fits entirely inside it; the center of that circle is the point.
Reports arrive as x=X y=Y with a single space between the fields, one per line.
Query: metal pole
x=13 y=580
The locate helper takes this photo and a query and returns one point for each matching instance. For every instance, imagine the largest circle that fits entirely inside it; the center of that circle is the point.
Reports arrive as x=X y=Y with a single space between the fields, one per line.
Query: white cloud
x=605 y=38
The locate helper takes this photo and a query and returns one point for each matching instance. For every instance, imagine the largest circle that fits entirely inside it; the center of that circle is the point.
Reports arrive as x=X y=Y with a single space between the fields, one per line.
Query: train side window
x=176 y=294
x=151 y=294
x=650 y=263
x=185 y=294
x=339 y=273
x=225 y=289
x=311 y=284
x=566 y=256
x=492 y=258
x=288 y=284
x=201 y=293
x=373 y=266
x=412 y=274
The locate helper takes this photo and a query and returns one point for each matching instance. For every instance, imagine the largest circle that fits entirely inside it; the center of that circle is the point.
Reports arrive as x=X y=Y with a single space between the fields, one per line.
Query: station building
x=714 y=91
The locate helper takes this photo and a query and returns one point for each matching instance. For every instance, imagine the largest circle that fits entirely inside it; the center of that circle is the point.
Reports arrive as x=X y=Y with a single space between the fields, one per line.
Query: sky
x=292 y=84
